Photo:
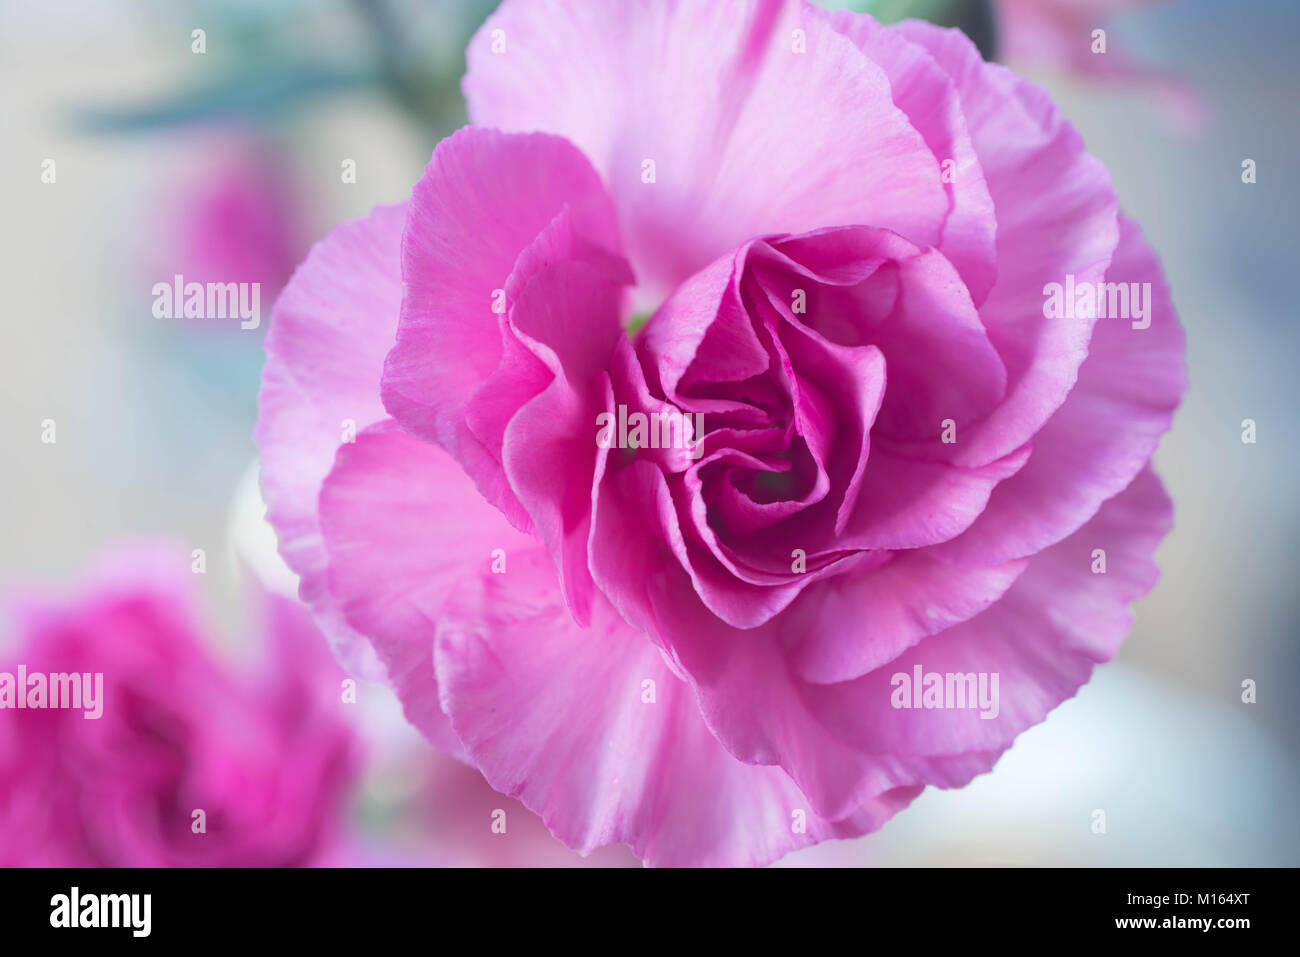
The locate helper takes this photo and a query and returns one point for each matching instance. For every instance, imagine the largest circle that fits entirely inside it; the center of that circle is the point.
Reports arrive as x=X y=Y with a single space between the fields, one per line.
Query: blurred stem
x=423 y=91
x=255 y=94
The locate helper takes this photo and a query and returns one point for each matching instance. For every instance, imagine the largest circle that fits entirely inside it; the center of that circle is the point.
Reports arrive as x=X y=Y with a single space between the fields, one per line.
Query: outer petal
x=758 y=115
x=552 y=714
x=909 y=598
x=754 y=704
x=1103 y=435
x=1056 y=214
x=330 y=330
x=1043 y=638
x=843 y=743
x=592 y=731
x=923 y=91
x=404 y=527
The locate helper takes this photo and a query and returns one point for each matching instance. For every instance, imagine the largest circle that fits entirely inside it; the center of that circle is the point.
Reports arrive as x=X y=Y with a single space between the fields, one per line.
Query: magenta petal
x=844 y=742
x=635 y=523
x=914 y=308
x=907 y=503
x=704 y=317
x=540 y=343
x=549 y=446
x=754 y=704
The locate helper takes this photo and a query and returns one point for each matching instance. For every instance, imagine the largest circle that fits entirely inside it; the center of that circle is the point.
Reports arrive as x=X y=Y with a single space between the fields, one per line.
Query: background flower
x=266 y=758
x=237 y=220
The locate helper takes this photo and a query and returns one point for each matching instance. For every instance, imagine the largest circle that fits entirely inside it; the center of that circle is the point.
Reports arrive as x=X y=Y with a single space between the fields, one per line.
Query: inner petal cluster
x=782 y=351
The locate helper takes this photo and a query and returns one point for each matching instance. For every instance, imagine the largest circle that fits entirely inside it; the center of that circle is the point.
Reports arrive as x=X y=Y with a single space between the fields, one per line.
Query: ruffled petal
x=404 y=527
x=1056 y=216
x=844 y=743
x=1062 y=617
x=330 y=330
x=1106 y=431
x=486 y=198
x=854 y=624
x=730 y=101
x=921 y=89
x=592 y=731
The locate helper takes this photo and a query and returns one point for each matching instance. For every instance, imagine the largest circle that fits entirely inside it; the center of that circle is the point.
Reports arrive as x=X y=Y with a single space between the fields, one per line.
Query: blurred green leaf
x=975 y=18
x=257 y=94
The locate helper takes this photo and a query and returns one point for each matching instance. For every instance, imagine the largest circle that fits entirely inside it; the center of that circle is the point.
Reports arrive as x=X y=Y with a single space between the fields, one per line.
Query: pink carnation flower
x=266 y=758
x=895 y=463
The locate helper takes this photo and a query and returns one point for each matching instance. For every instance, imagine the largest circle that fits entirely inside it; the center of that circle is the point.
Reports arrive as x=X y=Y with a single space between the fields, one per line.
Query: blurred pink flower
x=1058 y=33
x=234 y=219
x=907 y=460
x=265 y=757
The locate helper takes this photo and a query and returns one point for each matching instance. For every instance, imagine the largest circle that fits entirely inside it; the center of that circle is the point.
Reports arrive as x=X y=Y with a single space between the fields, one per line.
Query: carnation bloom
x=843 y=234
x=266 y=758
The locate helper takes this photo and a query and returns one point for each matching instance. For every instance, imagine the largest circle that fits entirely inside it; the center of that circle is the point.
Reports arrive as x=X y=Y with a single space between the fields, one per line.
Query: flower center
x=635 y=323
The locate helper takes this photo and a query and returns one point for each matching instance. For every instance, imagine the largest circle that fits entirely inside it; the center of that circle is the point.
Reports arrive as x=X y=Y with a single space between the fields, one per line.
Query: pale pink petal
x=1056 y=215
x=719 y=97
x=593 y=731
x=922 y=90
x=1043 y=638
x=843 y=743
x=330 y=330
x=1104 y=434
x=404 y=527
